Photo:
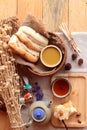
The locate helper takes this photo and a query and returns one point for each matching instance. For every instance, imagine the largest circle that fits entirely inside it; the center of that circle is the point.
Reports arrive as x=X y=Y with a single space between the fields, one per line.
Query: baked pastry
x=64 y=111
x=28 y=43
x=20 y=48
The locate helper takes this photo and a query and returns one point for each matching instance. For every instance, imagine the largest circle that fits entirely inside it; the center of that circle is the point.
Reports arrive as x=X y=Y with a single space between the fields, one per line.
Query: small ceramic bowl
x=51 y=56
x=61 y=88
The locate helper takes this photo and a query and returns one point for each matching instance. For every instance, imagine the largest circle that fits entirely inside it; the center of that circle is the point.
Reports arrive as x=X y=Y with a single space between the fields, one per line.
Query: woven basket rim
x=60 y=66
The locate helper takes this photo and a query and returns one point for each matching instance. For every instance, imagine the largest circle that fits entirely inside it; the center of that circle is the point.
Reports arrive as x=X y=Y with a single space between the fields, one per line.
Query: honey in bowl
x=61 y=88
x=51 y=56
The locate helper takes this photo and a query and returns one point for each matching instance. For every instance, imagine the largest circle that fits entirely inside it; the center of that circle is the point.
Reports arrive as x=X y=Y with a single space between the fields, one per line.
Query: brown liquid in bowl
x=61 y=87
x=51 y=56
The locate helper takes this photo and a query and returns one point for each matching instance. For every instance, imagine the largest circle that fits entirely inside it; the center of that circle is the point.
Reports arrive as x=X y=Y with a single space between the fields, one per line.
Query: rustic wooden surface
x=8 y=8
x=51 y=12
x=80 y=104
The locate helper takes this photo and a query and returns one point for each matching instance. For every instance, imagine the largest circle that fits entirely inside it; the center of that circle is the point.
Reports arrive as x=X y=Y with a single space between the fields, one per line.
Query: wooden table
x=51 y=12
x=44 y=83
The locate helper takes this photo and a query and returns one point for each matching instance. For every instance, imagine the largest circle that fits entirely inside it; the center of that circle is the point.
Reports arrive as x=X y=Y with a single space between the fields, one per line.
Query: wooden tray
x=78 y=98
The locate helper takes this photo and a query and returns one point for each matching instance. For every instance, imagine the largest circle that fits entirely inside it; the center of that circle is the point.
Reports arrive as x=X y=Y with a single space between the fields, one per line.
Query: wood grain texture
x=4 y=121
x=33 y=7
x=53 y=13
x=8 y=8
x=65 y=17
x=79 y=83
x=78 y=15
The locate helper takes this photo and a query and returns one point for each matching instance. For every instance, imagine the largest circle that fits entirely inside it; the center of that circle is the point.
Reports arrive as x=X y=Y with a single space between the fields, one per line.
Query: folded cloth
x=81 y=40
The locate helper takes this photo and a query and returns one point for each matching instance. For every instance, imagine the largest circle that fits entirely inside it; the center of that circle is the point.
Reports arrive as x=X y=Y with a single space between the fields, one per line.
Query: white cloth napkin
x=81 y=40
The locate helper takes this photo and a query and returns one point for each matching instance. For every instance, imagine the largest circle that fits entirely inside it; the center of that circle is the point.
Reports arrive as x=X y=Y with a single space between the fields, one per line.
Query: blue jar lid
x=39 y=114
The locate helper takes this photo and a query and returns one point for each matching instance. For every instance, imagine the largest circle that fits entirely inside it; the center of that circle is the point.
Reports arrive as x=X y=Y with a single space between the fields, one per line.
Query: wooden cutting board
x=78 y=97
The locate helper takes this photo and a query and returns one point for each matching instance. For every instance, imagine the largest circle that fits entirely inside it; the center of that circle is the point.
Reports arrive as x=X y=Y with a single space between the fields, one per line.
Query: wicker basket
x=54 y=40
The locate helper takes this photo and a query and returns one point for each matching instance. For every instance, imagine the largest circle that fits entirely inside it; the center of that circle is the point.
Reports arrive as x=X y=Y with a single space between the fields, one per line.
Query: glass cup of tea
x=61 y=88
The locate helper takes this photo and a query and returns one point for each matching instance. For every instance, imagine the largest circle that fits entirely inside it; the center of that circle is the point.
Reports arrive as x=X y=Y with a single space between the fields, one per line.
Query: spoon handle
x=65 y=124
